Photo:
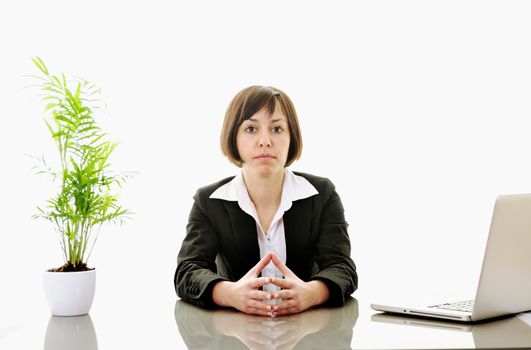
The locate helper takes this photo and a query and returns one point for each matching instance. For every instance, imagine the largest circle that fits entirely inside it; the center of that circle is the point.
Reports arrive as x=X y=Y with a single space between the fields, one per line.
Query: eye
x=250 y=129
x=278 y=129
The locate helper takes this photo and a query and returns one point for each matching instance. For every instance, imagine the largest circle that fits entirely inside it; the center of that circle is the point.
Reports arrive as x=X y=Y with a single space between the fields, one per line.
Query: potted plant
x=86 y=186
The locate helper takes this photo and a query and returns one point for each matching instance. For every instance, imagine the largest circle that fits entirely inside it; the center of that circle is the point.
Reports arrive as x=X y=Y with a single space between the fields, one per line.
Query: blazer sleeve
x=196 y=271
x=336 y=268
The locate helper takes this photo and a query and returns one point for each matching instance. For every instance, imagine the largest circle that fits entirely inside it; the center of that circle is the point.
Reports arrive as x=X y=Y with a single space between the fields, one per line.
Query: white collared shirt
x=294 y=188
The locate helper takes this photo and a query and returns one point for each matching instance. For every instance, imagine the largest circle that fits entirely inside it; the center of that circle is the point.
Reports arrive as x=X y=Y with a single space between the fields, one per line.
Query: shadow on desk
x=511 y=332
x=319 y=328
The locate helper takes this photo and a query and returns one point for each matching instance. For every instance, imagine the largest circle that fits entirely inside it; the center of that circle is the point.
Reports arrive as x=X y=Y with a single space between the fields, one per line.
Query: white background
x=418 y=111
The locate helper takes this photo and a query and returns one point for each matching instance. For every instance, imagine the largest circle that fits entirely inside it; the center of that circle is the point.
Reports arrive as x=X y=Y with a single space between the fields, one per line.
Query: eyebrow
x=273 y=121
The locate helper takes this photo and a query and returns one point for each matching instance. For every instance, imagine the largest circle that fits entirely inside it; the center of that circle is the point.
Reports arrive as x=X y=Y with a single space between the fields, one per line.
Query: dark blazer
x=221 y=243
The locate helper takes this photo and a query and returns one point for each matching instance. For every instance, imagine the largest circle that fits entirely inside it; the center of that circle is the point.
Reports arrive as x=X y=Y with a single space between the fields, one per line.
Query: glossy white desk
x=140 y=322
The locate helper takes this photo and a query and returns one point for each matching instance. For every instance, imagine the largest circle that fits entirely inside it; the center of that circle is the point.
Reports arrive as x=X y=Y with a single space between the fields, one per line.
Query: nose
x=264 y=140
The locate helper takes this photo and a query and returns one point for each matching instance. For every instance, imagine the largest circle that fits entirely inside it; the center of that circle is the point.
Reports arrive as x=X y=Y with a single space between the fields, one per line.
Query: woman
x=267 y=241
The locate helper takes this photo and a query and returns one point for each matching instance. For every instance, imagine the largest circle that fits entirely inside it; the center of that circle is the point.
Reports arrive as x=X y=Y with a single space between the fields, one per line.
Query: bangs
x=262 y=97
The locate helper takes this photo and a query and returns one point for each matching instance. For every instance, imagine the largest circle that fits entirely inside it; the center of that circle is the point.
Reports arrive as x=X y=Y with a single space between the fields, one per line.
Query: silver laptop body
x=505 y=282
x=508 y=333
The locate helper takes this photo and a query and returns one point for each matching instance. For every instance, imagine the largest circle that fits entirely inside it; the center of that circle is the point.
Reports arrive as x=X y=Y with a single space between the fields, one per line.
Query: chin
x=268 y=171
x=265 y=170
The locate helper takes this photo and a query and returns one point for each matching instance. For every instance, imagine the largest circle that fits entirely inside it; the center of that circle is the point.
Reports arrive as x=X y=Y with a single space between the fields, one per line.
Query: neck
x=264 y=190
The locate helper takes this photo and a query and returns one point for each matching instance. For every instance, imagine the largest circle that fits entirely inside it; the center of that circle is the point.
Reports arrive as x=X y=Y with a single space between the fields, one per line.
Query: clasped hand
x=245 y=294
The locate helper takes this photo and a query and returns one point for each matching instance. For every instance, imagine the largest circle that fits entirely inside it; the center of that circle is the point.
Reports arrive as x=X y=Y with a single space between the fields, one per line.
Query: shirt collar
x=295 y=187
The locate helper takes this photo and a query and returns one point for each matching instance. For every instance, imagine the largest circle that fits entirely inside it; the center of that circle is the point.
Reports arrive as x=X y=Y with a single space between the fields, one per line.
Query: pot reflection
x=319 y=328
x=70 y=333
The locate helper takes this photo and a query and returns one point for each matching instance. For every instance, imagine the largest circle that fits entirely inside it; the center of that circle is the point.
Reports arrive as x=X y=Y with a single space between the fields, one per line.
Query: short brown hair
x=244 y=105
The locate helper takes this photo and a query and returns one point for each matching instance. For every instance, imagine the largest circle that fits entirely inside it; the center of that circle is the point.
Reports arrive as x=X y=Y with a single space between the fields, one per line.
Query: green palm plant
x=86 y=195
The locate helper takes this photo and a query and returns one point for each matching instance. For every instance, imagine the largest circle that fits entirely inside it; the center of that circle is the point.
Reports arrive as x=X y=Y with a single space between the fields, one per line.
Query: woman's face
x=263 y=142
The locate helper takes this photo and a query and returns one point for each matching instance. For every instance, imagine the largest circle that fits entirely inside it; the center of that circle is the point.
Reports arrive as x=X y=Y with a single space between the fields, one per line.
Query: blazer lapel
x=244 y=235
x=297 y=227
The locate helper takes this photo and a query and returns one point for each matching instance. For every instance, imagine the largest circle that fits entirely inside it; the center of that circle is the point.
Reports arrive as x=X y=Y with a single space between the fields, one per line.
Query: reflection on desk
x=512 y=332
x=70 y=333
x=319 y=328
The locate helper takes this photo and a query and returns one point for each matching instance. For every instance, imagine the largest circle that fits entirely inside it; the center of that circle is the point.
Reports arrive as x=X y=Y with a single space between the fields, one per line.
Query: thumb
x=281 y=266
x=260 y=265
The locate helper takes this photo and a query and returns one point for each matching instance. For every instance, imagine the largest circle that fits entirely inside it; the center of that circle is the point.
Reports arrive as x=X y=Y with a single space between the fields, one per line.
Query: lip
x=264 y=156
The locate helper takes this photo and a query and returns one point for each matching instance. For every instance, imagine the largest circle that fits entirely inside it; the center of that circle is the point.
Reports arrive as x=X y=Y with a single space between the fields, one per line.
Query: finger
x=258 y=304
x=259 y=295
x=282 y=283
x=285 y=304
x=280 y=265
x=260 y=265
x=291 y=305
x=259 y=282
x=283 y=294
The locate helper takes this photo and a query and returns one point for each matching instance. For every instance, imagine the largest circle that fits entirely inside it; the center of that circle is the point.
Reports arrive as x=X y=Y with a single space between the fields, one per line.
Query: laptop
x=512 y=332
x=504 y=286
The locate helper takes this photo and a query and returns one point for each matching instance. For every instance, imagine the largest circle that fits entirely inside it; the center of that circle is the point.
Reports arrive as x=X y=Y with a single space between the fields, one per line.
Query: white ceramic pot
x=69 y=293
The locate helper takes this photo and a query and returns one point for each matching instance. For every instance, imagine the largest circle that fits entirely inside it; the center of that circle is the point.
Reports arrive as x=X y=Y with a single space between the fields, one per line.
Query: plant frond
x=86 y=197
x=40 y=64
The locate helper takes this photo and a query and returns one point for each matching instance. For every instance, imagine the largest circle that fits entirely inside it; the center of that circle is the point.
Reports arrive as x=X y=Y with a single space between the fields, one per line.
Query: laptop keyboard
x=465 y=306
